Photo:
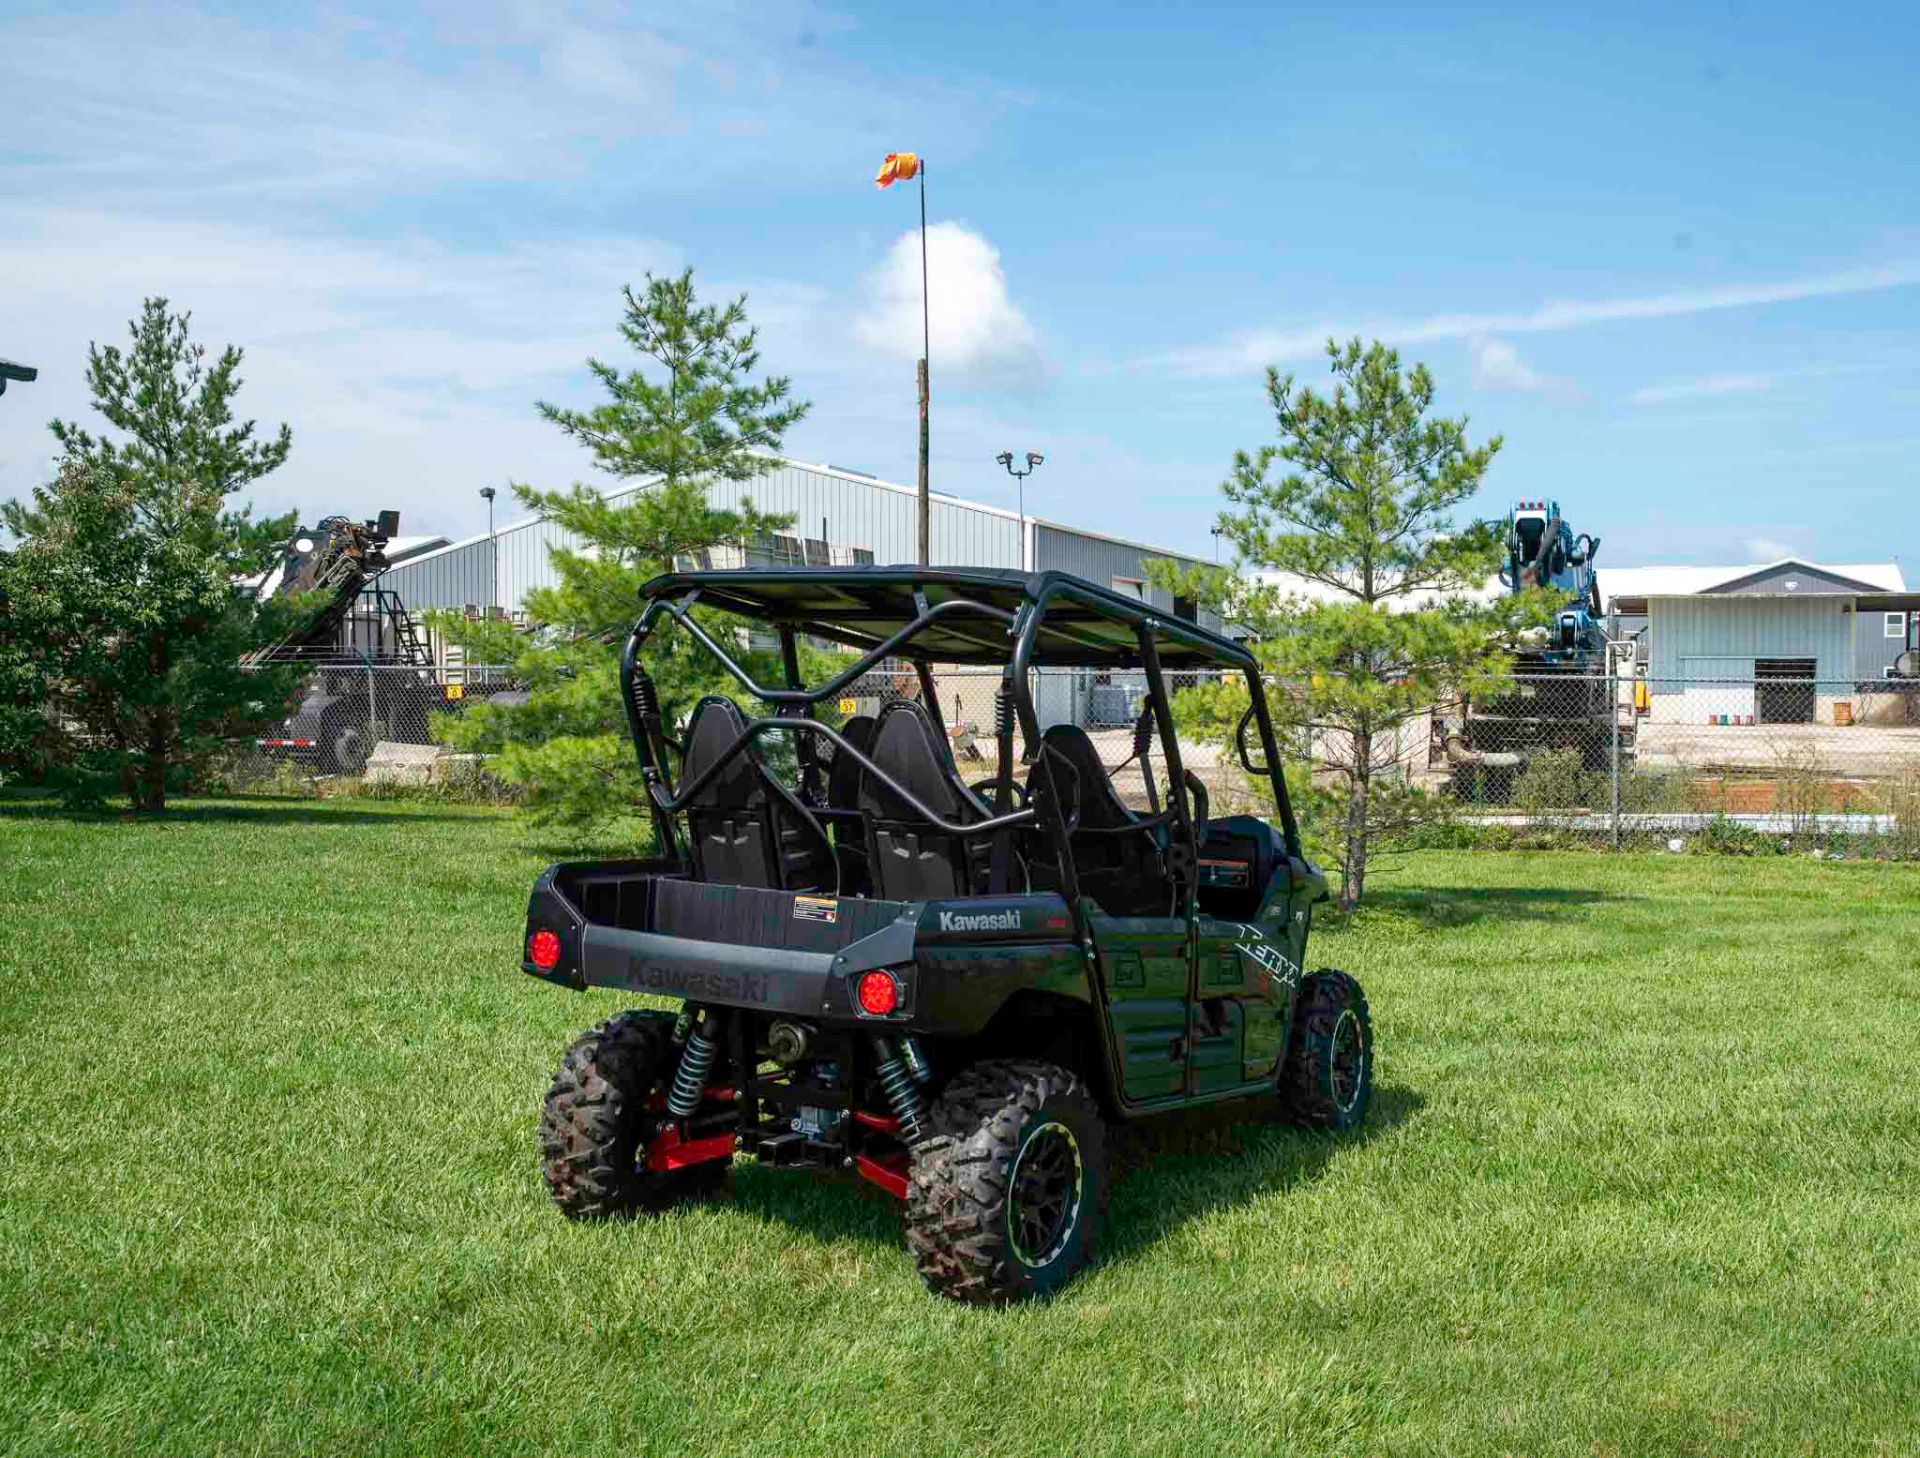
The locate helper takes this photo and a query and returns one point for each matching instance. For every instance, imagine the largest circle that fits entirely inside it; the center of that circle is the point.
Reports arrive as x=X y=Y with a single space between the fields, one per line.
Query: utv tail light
x=879 y=993
x=543 y=950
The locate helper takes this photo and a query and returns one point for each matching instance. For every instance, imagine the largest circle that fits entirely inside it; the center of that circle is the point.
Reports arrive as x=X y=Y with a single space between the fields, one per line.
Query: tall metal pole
x=1613 y=716
x=926 y=350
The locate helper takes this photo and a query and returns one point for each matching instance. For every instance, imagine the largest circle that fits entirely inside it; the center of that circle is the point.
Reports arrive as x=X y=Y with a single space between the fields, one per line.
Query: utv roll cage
x=1013 y=620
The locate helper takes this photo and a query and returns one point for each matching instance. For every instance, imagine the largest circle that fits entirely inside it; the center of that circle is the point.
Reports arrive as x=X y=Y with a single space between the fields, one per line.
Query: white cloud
x=1255 y=349
x=1496 y=365
x=1766 y=549
x=1702 y=386
x=407 y=372
x=978 y=333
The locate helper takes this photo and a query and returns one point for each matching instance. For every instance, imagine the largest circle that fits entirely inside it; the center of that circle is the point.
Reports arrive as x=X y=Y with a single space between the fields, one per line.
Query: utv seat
x=745 y=827
x=1118 y=859
x=911 y=860
x=843 y=818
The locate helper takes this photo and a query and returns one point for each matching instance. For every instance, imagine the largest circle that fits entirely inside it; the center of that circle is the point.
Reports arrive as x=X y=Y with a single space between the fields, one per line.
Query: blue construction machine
x=1562 y=697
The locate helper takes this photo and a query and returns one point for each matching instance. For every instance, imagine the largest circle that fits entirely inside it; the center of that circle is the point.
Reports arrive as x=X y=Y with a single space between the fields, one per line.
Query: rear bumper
x=643 y=927
x=767 y=979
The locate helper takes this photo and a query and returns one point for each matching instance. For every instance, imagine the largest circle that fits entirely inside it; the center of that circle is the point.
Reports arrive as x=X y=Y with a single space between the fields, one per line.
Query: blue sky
x=1671 y=254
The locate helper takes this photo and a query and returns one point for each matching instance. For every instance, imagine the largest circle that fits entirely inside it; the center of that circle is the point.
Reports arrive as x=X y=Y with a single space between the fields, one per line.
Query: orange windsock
x=898 y=167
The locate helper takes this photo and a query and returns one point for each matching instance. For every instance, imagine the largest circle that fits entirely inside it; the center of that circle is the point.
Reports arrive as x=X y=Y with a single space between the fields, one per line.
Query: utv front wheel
x=1327 y=1080
x=1007 y=1199
x=596 y=1124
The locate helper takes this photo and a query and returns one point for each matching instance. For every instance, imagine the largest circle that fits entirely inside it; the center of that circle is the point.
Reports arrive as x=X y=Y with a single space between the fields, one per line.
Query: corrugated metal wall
x=882 y=518
x=857 y=513
x=1708 y=637
x=452 y=577
x=1874 y=651
x=1061 y=549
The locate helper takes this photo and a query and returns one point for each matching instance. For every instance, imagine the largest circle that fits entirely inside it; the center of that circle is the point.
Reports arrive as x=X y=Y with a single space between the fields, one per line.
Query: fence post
x=1613 y=721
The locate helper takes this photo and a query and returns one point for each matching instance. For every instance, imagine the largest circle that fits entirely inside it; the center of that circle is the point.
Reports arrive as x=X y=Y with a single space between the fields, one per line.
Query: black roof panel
x=1085 y=625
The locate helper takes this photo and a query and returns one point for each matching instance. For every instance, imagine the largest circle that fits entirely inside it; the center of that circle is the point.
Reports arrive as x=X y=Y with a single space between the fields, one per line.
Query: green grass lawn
x=1643 y=1179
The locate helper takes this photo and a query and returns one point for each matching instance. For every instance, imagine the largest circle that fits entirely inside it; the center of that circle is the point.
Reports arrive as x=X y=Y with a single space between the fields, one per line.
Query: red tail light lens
x=543 y=950
x=879 y=993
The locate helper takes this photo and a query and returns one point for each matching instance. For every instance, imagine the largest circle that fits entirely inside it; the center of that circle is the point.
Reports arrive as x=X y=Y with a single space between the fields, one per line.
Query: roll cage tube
x=757 y=728
x=680 y=612
x=791 y=706
x=1027 y=635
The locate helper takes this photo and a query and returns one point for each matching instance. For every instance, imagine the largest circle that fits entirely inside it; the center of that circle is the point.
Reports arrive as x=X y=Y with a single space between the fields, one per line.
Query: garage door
x=1783 y=690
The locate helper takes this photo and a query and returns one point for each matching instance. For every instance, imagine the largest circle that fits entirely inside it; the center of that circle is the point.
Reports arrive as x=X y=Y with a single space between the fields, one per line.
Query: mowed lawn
x=1644 y=1179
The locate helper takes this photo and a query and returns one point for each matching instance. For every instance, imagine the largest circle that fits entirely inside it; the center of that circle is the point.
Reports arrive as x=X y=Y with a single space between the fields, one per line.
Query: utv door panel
x=1219 y=1034
x=1144 y=972
x=1238 y=966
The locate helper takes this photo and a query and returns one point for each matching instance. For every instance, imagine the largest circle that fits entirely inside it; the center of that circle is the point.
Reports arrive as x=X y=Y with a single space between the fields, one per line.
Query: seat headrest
x=845 y=772
x=716 y=723
x=908 y=747
x=1100 y=804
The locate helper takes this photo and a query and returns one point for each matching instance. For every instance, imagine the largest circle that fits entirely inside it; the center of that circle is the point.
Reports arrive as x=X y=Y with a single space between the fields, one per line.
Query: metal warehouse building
x=840 y=518
x=1781 y=642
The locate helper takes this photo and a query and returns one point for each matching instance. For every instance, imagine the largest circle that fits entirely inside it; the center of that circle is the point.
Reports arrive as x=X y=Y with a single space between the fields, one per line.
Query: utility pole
x=1034 y=458
x=898 y=167
x=926 y=352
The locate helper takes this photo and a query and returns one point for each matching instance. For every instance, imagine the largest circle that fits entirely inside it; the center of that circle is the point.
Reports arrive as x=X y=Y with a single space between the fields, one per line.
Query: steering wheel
x=986 y=788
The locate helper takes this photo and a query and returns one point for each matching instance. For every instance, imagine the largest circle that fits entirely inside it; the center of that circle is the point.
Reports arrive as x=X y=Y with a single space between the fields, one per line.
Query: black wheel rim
x=1044 y=1194
x=1349 y=1063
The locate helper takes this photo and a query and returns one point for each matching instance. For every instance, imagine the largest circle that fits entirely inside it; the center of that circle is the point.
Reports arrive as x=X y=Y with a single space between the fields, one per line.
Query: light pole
x=1216 y=544
x=1034 y=458
x=493 y=551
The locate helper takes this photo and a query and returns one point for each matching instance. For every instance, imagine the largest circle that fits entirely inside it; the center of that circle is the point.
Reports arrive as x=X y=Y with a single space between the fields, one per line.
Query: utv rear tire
x=1007 y=1199
x=1327 y=1079
x=595 y=1124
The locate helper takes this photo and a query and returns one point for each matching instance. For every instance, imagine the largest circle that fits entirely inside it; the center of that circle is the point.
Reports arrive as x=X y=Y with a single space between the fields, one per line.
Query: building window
x=1897 y=626
x=1130 y=587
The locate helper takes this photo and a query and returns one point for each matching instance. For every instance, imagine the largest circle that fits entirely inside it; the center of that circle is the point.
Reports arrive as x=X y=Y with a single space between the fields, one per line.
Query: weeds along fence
x=1605 y=762
x=1756 y=764
x=349 y=706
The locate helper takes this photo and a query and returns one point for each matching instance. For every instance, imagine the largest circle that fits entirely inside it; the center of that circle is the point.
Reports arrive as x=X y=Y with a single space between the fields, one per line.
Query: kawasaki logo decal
x=960 y=921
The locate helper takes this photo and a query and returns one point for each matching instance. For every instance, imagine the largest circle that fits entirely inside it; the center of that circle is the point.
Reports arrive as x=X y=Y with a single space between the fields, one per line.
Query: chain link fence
x=349 y=707
x=1676 y=763
x=1601 y=761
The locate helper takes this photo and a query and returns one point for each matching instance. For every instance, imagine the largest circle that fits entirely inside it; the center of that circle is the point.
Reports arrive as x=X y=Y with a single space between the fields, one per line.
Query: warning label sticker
x=816 y=908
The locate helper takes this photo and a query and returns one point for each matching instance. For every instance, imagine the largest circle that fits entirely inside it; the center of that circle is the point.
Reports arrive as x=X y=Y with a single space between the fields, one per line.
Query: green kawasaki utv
x=950 y=987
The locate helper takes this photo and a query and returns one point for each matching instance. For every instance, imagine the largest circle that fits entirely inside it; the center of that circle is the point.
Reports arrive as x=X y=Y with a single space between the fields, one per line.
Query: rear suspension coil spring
x=646 y=698
x=903 y=1095
x=696 y=1061
x=1002 y=709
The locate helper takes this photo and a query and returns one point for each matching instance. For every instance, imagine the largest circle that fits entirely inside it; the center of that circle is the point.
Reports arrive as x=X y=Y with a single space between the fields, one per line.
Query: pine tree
x=687 y=423
x=1374 y=618
x=123 y=585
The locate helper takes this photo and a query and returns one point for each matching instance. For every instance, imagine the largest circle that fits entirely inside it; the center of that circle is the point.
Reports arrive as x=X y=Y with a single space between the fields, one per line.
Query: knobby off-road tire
x=595 y=1124
x=1326 y=1081
x=1007 y=1198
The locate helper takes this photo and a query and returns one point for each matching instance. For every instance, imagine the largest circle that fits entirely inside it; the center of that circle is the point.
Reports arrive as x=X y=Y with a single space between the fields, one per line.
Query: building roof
x=844 y=473
x=1692 y=581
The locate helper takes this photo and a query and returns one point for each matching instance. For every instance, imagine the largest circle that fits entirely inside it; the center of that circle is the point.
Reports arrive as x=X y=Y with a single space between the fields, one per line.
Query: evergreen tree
x=1374 y=619
x=687 y=422
x=122 y=590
